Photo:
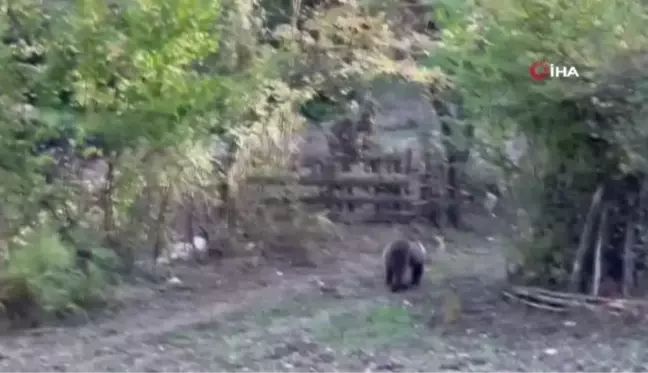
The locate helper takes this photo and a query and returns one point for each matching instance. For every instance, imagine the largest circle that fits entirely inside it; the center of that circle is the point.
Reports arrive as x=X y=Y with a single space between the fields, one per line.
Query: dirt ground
x=335 y=317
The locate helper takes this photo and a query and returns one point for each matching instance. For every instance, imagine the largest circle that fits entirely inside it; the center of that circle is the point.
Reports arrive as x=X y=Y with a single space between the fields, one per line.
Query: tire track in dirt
x=109 y=341
x=82 y=348
x=147 y=353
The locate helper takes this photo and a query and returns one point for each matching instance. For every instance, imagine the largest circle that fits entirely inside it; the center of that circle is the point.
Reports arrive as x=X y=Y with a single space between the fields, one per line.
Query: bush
x=41 y=279
x=269 y=147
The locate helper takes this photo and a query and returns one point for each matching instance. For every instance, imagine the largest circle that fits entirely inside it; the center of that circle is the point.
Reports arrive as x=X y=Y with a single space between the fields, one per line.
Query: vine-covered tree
x=584 y=133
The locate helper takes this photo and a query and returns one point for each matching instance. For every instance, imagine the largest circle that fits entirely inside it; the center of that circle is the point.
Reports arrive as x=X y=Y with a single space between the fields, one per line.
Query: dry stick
x=294 y=19
x=641 y=217
x=562 y=295
x=562 y=302
x=600 y=241
x=585 y=239
x=165 y=195
x=517 y=298
x=585 y=299
x=189 y=218
x=565 y=300
x=628 y=254
x=527 y=293
x=426 y=143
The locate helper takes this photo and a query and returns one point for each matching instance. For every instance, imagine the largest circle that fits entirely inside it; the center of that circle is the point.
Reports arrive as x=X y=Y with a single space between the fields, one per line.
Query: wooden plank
x=391 y=157
x=345 y=199
x=342 y=180
x=392 y=216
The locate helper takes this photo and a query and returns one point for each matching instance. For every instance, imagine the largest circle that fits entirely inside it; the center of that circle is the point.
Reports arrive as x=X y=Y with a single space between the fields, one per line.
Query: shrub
x=40 y=277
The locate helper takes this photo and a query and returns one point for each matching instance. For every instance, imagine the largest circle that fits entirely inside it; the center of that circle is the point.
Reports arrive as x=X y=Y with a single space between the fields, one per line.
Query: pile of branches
x=564 y=302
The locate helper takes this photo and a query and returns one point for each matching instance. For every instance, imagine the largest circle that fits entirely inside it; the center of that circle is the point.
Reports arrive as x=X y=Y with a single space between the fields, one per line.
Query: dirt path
x=334 y=317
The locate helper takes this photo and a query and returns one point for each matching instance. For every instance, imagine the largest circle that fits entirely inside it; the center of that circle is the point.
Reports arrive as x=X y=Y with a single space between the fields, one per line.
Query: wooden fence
x=379 y=188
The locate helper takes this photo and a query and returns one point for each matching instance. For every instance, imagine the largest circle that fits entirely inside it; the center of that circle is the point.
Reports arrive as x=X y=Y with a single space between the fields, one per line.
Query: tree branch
x=585 y=239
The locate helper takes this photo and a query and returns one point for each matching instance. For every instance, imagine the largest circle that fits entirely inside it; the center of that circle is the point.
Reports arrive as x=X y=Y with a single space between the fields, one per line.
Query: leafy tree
x=137 y=76
x=573 y=125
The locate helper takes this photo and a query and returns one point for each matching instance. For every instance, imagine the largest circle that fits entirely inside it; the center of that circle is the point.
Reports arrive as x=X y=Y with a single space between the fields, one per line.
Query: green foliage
x=384 y=317
x=383 y=325
x=48 y=267
x=487 y=49
x=580 y=126
x=154 y=80
x=340 y=49
x=135 y=68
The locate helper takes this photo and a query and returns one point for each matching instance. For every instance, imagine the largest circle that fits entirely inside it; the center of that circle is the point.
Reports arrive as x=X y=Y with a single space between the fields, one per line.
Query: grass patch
x=40 y=279
x=380 y=326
